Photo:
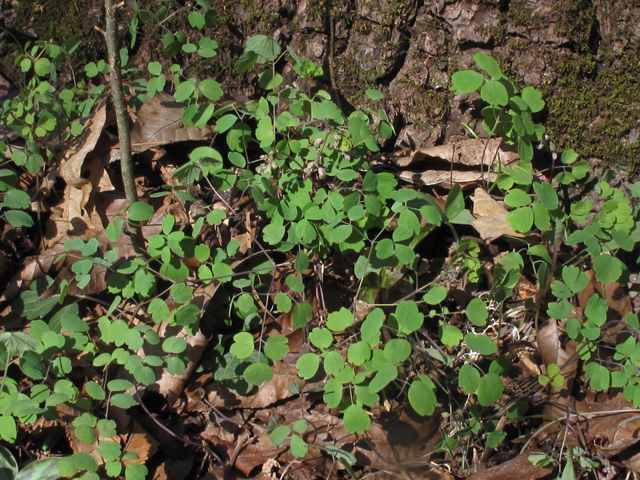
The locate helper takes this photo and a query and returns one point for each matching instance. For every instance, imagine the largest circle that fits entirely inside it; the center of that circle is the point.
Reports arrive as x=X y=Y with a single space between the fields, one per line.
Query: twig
x=122 y=119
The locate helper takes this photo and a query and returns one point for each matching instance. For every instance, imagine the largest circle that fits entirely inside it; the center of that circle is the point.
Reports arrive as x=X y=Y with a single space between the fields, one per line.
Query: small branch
x=122 y=119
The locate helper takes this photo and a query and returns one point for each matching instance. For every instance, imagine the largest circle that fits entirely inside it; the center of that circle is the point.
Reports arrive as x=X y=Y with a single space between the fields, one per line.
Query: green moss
x=57 y=21
x=591 y=108
x=577 y=22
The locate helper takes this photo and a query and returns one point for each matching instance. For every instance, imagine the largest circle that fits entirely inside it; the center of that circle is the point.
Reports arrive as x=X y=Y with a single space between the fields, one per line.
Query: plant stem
x=122 y=119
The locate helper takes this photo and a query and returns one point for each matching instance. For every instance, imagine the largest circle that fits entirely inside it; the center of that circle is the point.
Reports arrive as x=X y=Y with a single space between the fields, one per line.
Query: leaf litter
x=237 y=425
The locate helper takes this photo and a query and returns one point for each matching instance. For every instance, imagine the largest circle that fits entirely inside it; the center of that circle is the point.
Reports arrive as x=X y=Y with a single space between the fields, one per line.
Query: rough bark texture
x=583 y=55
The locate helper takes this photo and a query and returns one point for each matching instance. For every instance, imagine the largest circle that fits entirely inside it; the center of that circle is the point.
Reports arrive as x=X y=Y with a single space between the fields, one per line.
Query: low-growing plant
x=307 y=168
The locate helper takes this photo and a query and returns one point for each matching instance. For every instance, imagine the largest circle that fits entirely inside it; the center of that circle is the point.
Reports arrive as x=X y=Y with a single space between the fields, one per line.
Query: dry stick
x=122 y=119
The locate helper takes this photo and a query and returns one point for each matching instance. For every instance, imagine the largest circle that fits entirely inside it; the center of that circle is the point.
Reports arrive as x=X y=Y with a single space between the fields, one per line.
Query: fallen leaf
x=519 y=468
x=491 y=217
x=445 y=165
x=268 y=393
x=159 y=121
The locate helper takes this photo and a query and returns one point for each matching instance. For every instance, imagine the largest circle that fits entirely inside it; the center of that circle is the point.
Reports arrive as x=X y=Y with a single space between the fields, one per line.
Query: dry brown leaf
x=131 y=434
x=554 y=347
x=171 y=386
x=519 y=468
x=256 y=454
x=35 y=269
x=445 y=164
x=491 y=217
x=159 y=121
x=268 y=393
x=72 y=167
x=617 y=300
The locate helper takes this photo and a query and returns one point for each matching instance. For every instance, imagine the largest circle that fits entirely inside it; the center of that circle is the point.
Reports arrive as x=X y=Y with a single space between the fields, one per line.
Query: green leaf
x=140 y=212
x=422 y=395
x=340 y=233
x=86 y=434
x=356 y=419
x=374 y=94
x=533 y=98
x=517 y=198
x=407 y=318
x=455 y=202
x=258 y=373
x=300 y=426
x=598 y=375
x=608 y=268
x=45 y=469
x=174 y=345
x=386 y=374
x=333 y=362
x=467 y=81
x=623 y=239
x=321 y=338
x=243 y=345
x=476 y=312
x=385 y=248
x=481 y=344
x=298 y=447
x=596 y=310
x=547 y=195
x=326 y=109
x=468 y=378
x=308 y=365
x=489 y=65
x=560 y=311
x=283 y=302
x=123 y=400
x=274 y=233
x=110 y=451
x=136 y=471
x=301 y=262
x=95 y=390
x=185 y=91
x=276 y=347
x=332 y=393
x=8 y=464
x=196 y=19
x=371 y=327
x=495 y=93
x=17 y=199
x=490 y=389
x=211 y=89
x=450 y=335
x=295 y=283
x=18 y=218
x=574 y=278
x=302 y=313
x=340 y=320
x=279 y=435
x=32 y=366
x=42 y=67
x=560 y=290
x=119 y=385
x=358 y=353
x=265 y=47
x=397 y=350
x=268 y=79
x=540 y=251
x=9 y=429
x=521 y=219
x=435 y=295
